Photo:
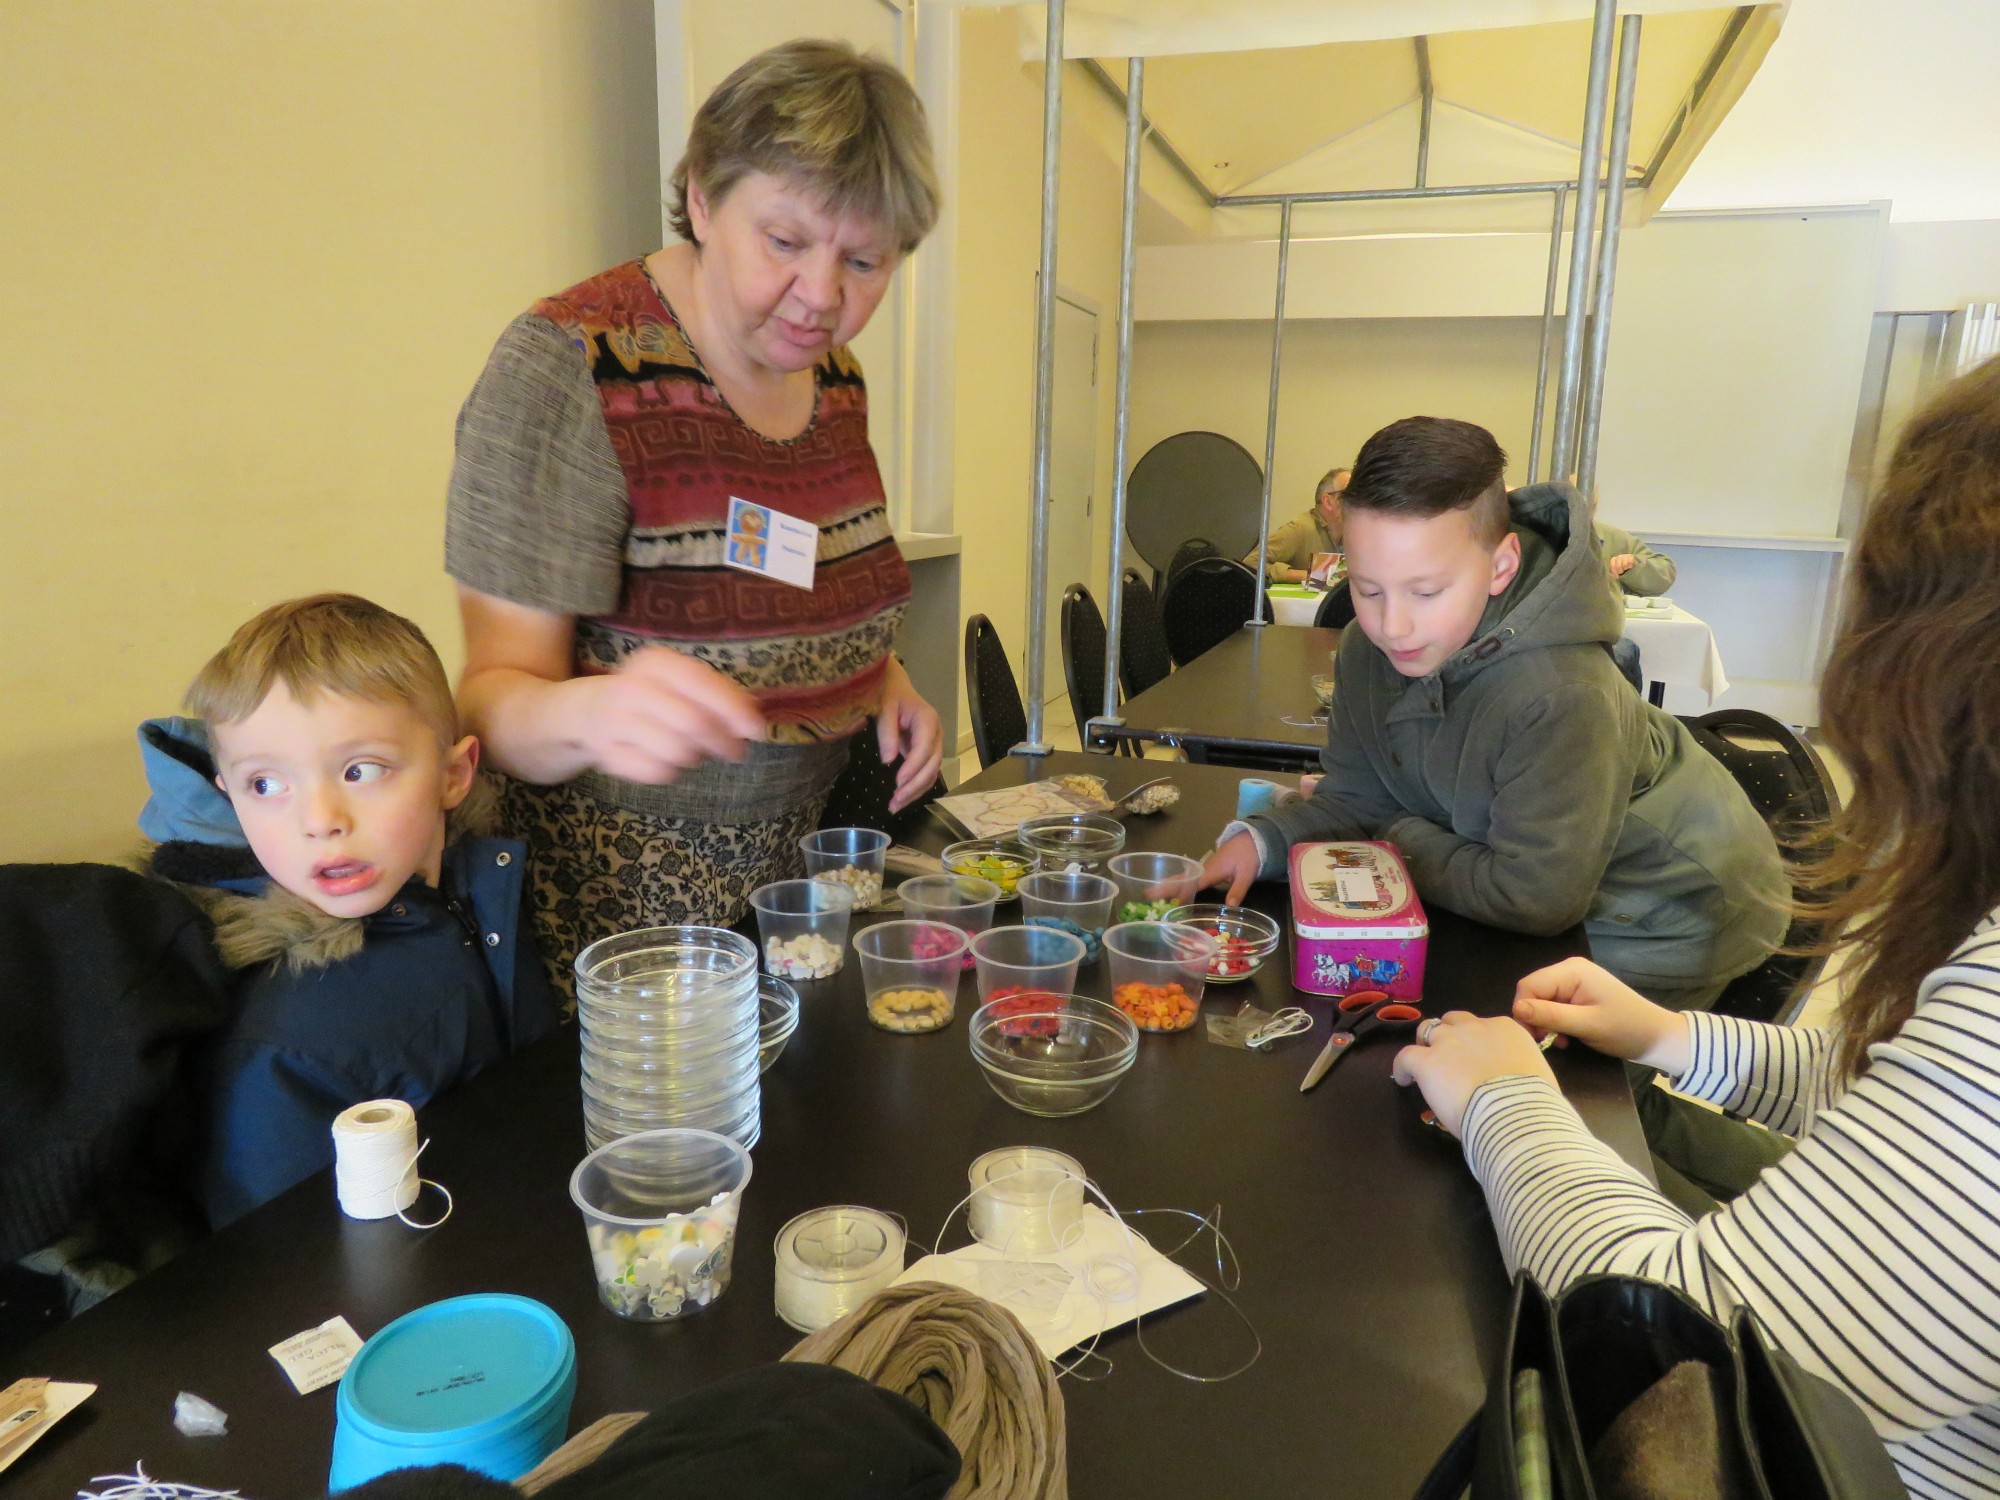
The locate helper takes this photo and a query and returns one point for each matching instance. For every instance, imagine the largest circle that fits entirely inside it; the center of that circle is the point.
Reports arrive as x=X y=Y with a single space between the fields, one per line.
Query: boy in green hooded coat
x=1479 y=725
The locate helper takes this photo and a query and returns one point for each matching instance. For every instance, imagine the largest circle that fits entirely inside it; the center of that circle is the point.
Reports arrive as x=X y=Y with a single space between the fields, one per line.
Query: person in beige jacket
x=1291 y=547
x=1635 y=567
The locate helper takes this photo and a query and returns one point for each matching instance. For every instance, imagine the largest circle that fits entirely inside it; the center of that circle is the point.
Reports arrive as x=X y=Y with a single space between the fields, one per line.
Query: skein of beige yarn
x=970 y=1366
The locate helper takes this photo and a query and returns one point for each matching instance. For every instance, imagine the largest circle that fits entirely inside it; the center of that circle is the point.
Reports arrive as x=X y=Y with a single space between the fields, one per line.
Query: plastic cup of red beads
x=1245 y=938
x=910 y=971
x=1022 y=960
x=660 y=1210
x=803 y=926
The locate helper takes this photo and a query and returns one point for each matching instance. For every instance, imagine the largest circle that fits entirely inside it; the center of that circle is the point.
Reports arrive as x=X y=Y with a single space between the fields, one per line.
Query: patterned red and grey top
x=595 y=465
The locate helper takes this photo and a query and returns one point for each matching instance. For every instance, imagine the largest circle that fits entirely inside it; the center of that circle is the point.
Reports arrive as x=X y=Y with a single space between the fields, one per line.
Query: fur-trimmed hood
x=195 y=841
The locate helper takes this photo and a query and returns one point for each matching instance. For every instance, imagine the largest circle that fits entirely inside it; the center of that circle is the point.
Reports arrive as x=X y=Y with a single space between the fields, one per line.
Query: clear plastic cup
x=853 y=857
x=1158 y=971
x=803 y=925
x=965 y=901
x=910 y=971
x=660 y=1210
x=1026 y=960
x=1072 y=841
x=1151 y=885
x=1071 y=901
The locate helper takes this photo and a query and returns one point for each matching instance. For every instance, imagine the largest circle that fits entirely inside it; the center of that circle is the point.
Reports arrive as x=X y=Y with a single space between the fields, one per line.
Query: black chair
x=862 y=792
x=999 y=723
x=1194 y=549
x=1143 y=658
x=1083 y=667
x=1206 y=603
x=1787 y=782
x=1336 y=610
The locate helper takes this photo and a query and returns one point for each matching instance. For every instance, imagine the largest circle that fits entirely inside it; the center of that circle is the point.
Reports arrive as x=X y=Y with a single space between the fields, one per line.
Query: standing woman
x=669 y=721
x=1871 y=1254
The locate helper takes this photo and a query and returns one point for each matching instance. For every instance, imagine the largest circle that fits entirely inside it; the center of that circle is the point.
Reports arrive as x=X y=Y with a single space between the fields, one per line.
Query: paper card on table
x=767 y=541
x=319 y=1356
x=29 y=1408
x=1068 y=1297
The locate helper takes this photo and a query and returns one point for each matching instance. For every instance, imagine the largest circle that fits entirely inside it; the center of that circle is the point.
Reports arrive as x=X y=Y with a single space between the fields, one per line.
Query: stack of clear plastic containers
x=669 y=1018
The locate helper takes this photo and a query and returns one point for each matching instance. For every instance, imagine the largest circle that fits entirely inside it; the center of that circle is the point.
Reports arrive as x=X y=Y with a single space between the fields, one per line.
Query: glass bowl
x=1002 y=861
x=1323 y=689
x=1050 y=1054
x=1073 y=841
x=1246 y=938
x=777 y=1018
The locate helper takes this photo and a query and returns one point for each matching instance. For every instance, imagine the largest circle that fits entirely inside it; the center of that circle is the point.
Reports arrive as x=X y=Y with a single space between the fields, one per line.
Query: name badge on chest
x=767 y=541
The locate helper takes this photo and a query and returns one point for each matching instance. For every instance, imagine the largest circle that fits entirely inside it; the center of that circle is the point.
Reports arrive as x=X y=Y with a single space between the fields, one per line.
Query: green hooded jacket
x=1528 y=786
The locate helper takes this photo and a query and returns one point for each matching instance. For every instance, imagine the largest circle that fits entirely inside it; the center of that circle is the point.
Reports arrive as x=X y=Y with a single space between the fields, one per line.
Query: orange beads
x=1156 y=1007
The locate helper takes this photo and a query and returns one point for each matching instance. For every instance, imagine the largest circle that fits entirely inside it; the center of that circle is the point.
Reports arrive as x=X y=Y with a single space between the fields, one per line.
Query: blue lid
x=467 y=1369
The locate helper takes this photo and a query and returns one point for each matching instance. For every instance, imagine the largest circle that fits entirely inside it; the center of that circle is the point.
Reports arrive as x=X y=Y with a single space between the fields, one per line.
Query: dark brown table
x=1234 y=699
x=1369 y=1265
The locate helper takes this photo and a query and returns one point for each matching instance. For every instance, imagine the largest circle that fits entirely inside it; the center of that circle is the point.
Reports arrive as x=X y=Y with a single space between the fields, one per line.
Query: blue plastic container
x=482 y=1381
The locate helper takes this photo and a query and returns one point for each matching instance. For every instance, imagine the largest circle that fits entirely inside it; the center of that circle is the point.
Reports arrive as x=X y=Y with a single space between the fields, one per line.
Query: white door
x=1072 y=474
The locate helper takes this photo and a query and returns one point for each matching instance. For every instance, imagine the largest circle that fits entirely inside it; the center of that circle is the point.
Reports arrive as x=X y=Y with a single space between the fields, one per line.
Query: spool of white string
x=831 y=1260
x=1026 y=1200
x=375 y=1154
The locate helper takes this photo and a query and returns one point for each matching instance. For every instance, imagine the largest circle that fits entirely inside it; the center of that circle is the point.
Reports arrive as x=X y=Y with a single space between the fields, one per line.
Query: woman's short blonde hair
x=329 y=643
x=823 y=117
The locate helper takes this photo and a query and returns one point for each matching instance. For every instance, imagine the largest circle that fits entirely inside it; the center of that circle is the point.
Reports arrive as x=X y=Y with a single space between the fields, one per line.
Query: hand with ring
x=1458 y=1052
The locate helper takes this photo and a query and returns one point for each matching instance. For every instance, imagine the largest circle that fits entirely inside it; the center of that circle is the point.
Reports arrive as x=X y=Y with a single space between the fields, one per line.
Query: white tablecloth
x=1287 y=611
x=1678 y=648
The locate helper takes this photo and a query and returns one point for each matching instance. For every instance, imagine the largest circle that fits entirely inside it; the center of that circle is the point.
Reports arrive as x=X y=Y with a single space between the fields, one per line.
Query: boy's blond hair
x=329 y=643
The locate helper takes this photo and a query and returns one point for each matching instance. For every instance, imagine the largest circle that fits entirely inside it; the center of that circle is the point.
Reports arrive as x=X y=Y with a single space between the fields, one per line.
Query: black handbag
x=1781 y=1432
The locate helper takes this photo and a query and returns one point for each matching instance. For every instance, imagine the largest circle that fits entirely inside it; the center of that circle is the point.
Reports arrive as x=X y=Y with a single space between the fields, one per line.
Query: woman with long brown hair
x=1872 y=1252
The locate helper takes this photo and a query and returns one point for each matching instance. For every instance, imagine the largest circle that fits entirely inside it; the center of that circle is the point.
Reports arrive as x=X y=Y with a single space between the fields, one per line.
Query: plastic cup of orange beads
x=1158 y=970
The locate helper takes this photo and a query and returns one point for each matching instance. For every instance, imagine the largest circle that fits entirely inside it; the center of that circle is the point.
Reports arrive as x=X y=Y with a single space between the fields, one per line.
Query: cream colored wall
x=1343 y=378
x=999 y=228
x=254 y=258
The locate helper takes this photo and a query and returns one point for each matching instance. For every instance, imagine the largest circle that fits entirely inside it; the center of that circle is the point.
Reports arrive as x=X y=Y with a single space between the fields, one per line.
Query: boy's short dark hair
x=1425 y=466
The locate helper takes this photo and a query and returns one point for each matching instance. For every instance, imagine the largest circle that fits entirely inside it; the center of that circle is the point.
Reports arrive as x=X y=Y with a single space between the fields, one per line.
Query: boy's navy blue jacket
x=330 y=1011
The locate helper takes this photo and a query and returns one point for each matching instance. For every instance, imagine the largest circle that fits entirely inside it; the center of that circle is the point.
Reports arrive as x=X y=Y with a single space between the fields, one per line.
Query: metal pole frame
x=1114 y=582
x=1607 y=259
x=1580 y=260
x=1427 y=98
x=1561 y=196
x=1045 y=370
x=1271 y=415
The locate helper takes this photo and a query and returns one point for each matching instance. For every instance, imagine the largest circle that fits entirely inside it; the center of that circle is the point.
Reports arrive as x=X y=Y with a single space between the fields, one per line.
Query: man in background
x=1635 y=567
x=1292 y=545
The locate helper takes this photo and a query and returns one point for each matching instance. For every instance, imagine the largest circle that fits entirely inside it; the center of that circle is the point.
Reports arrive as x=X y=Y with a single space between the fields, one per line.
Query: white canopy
x=1276 y=97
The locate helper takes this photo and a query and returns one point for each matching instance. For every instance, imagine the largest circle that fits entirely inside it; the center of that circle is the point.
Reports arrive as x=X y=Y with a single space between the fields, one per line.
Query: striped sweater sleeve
x=1780 y=1076
x=1871 y=1253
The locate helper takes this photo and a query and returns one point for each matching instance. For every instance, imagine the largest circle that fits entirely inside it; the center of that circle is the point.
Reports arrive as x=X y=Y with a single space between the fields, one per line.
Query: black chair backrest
x=1787 y=782
x=1083 y=662
x=862 y=792
x=1336 y=610
x=1143 y=658
x=1207 y=602
x=1194 y=549
x=999 y=723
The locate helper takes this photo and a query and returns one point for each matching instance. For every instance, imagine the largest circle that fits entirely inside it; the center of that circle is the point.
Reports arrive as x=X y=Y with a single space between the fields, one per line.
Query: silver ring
x=1425 y=1031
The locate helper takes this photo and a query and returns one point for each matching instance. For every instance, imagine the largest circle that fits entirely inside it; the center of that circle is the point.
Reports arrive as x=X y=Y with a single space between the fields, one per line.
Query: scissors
x=1354 y=1017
